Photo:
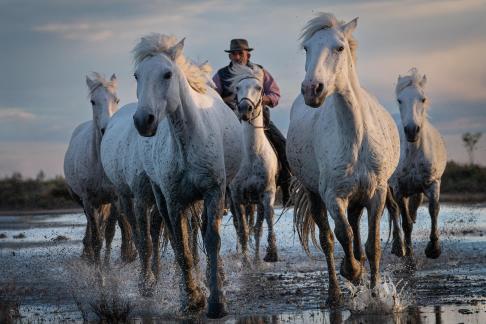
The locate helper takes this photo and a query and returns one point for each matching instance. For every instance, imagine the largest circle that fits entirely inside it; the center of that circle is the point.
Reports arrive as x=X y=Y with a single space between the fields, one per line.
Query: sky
x=48 y=47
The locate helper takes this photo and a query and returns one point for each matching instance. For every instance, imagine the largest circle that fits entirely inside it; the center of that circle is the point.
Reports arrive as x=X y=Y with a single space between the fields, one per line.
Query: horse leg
x=258 y=230
x=268 y=201
x=128 y=250
x=398 y=246
x=87 y=253
x=242 y=229
x=354 y=216
x=350 y=268
x=110 y=231
x=143 y=215
x=96 y=242
x=407 y=224
x=250 y=218
x=155 y=229
x=373 y=243
x=194 y=232
x=213 y=203
x=193 y=299
x=326 y=238
x=433 y=247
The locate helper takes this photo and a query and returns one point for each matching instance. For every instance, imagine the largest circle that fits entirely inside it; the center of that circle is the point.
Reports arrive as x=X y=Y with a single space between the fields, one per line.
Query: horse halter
x=258 y=103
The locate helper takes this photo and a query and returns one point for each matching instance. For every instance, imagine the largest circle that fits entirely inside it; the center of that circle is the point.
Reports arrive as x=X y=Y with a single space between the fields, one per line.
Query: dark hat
x=239 y=44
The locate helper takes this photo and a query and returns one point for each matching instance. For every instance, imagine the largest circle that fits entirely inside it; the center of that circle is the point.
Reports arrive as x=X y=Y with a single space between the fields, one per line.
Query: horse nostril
x=302 y=89
x=150 y=119
x=320 y=87
x=417 y=129
x=250 y=108
x=102 y=131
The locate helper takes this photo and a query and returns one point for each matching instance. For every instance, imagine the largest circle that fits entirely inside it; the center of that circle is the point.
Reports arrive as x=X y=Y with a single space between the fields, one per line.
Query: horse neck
x=96 y=141
x=348 y=108
x=254 y=135
x=185 y=121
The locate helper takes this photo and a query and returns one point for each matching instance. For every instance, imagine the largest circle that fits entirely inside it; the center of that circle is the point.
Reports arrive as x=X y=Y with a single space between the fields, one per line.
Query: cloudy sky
x=47 y=48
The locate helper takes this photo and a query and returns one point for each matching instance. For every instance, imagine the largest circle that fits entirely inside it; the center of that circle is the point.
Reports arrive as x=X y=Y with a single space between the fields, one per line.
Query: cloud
x=15 y=115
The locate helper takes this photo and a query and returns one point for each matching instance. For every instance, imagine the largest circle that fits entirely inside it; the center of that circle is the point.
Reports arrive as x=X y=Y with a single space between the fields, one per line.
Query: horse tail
x=392 y=209
x=304 y=223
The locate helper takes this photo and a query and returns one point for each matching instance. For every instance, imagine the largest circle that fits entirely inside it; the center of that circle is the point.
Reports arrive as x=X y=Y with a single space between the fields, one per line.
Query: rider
x=239 y=53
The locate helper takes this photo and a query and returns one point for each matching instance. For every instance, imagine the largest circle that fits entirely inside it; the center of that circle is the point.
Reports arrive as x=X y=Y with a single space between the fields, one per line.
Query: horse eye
x=237 y=88
x=258 y=88
x=305 y=48
x=135 y=76
x=168 y=75
x=117 y=100
x=340 y=48
x=92 y=102
x=399 y=101
x=423 y=100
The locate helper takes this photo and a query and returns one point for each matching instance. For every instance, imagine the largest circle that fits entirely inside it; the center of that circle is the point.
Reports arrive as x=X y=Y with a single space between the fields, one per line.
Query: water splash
x=385 y=298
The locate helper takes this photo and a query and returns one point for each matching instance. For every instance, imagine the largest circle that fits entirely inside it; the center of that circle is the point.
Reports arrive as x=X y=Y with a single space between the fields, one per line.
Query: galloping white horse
x=343 y=147
x=86 y=178
x=422 y=160
x=255 y=182
x=195 y=153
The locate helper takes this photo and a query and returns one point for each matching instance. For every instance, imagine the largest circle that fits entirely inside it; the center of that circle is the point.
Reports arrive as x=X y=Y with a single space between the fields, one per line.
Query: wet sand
x=43 y=274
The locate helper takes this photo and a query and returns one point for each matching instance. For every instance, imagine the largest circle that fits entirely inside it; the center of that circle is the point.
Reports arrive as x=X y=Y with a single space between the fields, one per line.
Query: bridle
x=258 y=103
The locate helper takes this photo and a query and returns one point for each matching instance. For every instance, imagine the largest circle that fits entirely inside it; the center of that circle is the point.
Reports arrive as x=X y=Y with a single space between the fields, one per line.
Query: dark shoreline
x=31 y=212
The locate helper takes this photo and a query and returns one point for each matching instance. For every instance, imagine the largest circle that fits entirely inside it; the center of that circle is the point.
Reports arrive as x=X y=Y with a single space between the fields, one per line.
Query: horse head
x=412 y=102
x=157 y=76
x=329 y=48
x=103 y=99
x=247 y=84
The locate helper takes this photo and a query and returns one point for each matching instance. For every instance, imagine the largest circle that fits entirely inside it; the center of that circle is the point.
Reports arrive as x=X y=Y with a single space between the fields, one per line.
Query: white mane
x=97 y=80
x=241 y=72
x=408 y=80
x=324 y=20
x=155 y=44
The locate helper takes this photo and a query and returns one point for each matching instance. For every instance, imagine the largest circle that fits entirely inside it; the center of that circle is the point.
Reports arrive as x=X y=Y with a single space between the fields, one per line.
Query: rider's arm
x=271 y=90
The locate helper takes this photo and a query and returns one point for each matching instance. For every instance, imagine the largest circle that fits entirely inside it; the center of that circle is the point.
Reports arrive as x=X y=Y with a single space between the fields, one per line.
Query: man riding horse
x=239 y=53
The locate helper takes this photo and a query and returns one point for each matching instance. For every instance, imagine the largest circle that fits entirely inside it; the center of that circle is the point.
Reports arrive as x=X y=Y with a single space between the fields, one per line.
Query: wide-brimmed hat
x=239 y=44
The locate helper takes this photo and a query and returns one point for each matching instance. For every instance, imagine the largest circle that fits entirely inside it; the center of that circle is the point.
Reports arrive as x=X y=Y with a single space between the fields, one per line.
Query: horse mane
x=155 y=44
x=325 y=20
x=241 y=72
x=99 y=80
x=413 y=78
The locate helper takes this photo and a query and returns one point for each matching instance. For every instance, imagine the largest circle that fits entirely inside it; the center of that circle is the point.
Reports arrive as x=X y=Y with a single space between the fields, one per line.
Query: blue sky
x=48 y=47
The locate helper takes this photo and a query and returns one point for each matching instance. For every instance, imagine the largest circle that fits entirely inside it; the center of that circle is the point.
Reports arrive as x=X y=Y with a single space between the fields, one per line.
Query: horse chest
x=414 y=176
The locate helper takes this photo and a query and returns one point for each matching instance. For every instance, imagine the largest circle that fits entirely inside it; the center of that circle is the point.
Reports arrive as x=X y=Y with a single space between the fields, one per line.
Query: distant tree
x=41 y=176
x=470 y=140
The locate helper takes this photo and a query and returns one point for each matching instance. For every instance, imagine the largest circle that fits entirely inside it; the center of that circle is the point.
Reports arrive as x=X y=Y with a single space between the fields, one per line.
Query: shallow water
x=48 y=277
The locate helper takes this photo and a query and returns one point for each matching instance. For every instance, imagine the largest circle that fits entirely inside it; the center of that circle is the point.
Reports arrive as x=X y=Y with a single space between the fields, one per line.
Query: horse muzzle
x=314 y=94
x=411 y=133
x=145 y=123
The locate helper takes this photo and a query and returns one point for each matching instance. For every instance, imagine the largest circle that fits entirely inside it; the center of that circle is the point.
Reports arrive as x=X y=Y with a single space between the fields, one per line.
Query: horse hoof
x=351 y=271
x=398 y=249
x=271 y=256
x=432 y=251
x=147 y=285
x=335 y=299
x=129 y=256
x=216 y=310
x=196 y=303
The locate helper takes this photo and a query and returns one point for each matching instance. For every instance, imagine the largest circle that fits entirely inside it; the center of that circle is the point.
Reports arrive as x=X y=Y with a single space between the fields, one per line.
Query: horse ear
x=90 y=83
x=349 y=28
x=423 y=81
x=176 y=50
x=113 y=80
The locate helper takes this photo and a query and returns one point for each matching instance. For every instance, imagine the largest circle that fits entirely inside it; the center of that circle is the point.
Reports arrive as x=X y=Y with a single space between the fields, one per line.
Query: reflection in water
x=419 y=315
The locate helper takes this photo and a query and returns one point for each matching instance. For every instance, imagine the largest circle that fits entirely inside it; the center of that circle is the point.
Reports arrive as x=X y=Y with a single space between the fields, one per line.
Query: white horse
x=255 y=182
x=196 y=152
x=423 y=159
x=343 y=146
x=86 y=178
